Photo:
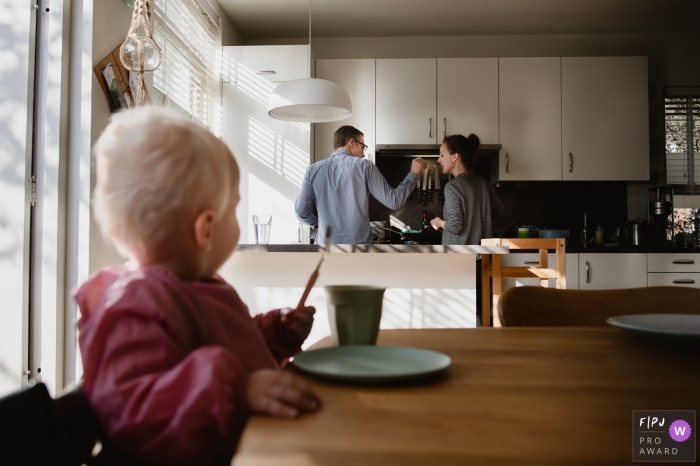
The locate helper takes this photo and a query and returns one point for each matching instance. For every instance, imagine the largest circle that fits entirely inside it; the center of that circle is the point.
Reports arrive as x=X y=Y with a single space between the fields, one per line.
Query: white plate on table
x=679 y=330
x=371 y=364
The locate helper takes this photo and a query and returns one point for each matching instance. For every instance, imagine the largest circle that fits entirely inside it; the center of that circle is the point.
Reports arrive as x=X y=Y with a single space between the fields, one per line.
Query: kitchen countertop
x=375 y=248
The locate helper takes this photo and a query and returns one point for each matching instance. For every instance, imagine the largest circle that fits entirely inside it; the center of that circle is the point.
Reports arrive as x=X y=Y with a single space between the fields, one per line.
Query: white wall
x=15 y=27
x=674 y=60
x=111 y=23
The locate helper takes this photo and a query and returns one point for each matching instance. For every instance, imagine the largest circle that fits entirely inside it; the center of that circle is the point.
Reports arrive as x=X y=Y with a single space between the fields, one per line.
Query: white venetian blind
x=682 y=115
x=187 y=80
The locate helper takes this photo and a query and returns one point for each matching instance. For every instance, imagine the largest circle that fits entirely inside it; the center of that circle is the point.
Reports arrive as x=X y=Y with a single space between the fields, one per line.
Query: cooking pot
x=427 y=236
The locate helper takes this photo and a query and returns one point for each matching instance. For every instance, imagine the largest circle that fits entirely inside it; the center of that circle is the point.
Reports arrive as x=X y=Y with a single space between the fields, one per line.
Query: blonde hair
x=156 y=169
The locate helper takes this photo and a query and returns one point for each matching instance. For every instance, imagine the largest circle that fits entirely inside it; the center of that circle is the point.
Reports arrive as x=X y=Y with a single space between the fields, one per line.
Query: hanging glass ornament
x=139 y=53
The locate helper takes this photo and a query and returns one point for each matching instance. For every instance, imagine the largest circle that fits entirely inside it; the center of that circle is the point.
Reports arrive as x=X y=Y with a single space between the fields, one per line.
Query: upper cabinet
x=270 y=63
x=357 y=77
x=571 y=118
x=604 y=118
x=467 y=98
x=419 y=101
x=406 y=101
x=530 y=119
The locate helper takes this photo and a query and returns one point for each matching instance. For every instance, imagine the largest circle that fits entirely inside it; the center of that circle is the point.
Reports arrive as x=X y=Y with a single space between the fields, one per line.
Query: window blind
x=682 y=115
x=187 y=79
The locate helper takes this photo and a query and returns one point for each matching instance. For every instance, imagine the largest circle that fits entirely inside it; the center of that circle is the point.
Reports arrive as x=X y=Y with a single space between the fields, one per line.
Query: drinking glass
x=262 y=224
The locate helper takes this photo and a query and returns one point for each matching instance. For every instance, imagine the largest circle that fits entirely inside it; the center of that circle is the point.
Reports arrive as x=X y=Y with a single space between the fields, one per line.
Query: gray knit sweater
x=470 y=201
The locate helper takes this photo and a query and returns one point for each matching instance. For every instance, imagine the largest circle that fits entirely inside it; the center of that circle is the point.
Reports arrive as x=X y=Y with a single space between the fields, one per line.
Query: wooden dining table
x=512 y=396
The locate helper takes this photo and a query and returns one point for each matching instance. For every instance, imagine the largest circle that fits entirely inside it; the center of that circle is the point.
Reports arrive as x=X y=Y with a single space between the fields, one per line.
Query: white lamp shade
x=309 y=100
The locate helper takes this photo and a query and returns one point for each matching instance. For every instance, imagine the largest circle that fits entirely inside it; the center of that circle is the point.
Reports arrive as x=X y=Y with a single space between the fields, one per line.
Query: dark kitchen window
x=682 y=122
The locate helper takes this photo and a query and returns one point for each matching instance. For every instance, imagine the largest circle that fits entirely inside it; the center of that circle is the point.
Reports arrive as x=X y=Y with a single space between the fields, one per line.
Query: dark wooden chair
x=532 y=306
x=36 y=429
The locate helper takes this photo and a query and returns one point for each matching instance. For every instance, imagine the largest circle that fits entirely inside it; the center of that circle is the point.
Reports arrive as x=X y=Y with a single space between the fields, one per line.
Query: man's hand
x=437 y=223
x=298 y=322
x=418 y=165
x=279 y=394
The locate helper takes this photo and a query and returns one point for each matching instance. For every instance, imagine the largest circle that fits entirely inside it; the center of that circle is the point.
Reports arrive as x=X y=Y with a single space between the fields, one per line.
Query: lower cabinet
x=674 y=269
x=612 y=271
x=606 y=271
x=674 y=279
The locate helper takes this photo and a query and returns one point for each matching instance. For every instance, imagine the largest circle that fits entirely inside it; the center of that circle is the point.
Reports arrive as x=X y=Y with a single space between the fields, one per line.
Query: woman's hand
x=437 y=223
x=280 y=394
x=298 y=322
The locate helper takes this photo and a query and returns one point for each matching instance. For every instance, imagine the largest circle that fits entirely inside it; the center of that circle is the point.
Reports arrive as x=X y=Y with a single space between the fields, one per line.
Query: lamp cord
x=309 y=52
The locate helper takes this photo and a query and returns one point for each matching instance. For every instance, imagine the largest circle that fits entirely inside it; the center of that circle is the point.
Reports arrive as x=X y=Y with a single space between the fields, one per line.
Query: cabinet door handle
x=532 y=262
x=444 y=127
x=683 y=261
x=588 y=272
x=684 y=281
x=506 y=162
x=430 y=127
x=571 y=162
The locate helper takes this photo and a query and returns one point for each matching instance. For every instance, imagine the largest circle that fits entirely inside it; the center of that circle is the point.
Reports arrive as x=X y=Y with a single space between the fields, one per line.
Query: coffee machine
x=660 y=202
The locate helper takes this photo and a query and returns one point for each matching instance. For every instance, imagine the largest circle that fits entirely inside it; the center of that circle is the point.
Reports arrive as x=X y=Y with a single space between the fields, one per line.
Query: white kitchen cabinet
x=357 y=77
x=673 y=262
x=406 y=102
x=270 y=63
x=674 y=279
x=530 y=119
x=467 y=98
x=604 y=118
x=612 y=271
x=673 y=269
x=525 y=259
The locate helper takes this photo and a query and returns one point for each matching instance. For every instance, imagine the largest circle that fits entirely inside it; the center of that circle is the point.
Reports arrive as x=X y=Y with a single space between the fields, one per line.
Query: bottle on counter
x=424 y=223
x=599 y=235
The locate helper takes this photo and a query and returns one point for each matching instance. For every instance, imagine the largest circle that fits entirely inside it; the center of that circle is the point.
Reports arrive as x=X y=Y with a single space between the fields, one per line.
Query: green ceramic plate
x=679 y=330
x=371 y=364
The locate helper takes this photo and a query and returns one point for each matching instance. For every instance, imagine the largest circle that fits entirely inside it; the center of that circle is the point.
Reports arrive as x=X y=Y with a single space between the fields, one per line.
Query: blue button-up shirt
x=338 y=189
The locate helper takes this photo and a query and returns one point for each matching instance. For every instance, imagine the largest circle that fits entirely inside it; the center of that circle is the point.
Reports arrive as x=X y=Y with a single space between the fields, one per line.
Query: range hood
x=426 y=150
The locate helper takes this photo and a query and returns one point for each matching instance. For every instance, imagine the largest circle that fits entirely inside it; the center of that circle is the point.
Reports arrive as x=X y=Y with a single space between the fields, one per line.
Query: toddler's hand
x=280 y=394
x=298 y=322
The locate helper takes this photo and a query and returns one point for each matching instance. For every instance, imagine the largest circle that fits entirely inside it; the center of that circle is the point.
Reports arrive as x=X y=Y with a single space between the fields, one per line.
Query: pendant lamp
x=309 y=100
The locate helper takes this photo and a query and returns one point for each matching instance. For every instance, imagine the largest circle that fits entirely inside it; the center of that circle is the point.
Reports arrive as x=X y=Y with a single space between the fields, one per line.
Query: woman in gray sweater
x=470 y=201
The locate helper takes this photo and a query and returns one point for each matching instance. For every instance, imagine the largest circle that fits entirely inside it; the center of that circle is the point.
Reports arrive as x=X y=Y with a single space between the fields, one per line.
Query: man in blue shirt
x=336 y=191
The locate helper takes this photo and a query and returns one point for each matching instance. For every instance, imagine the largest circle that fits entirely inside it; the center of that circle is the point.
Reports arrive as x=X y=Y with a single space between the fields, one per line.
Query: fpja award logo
x=663 y=436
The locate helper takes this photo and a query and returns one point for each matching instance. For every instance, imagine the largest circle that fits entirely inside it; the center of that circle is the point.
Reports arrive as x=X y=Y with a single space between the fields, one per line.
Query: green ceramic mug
x=354 y=313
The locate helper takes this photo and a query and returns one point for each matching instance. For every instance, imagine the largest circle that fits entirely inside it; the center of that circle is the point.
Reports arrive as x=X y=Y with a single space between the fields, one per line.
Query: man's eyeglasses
x=364 y=146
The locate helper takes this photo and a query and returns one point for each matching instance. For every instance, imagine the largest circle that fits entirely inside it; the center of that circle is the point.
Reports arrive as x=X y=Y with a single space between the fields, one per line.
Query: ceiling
x=271 y=19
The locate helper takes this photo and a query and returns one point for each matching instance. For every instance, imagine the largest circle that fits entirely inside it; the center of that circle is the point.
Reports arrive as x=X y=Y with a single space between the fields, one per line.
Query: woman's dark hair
x=344 y=134
x=465 y=147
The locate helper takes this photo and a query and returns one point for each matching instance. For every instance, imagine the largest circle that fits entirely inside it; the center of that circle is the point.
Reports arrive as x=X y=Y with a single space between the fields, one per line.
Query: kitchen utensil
x=379 y=229
x=354 y=313
x=423 y=193
x=314 y=275
x=554 y=234
x=430 y=184
x=679 y=330
x=372 y=364
x=427 y=236
x=437 y=185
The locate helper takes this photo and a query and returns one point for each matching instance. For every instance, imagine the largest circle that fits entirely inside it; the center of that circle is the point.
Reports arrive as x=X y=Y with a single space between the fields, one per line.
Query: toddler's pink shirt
x=166 y=362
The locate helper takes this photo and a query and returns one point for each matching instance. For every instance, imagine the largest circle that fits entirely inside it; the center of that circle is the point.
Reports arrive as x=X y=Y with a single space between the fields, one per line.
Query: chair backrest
x=36 y=429
x=532 y=306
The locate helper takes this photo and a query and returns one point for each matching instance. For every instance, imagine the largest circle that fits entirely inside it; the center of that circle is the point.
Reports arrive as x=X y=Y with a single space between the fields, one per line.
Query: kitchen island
x=428 y=286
